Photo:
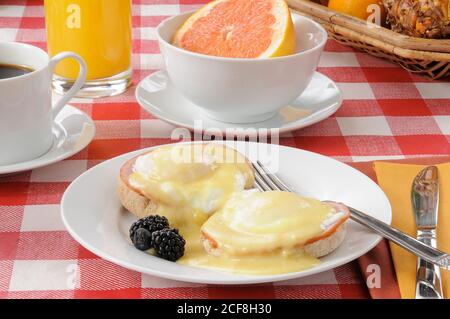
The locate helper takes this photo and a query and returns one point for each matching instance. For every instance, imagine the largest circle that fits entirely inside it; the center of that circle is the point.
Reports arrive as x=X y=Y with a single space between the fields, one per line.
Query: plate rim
x=246 y=279
x=292 y=126
x=28 y=165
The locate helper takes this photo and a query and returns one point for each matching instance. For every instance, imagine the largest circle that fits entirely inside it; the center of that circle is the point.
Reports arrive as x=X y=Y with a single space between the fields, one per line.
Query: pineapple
x=420 y=18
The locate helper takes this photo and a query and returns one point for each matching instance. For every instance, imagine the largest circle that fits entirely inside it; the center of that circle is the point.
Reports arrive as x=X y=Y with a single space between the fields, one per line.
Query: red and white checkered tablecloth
x=387 y=113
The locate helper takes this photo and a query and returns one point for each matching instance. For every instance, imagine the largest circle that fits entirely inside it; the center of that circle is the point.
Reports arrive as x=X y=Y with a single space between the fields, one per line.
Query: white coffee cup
x=26 y=111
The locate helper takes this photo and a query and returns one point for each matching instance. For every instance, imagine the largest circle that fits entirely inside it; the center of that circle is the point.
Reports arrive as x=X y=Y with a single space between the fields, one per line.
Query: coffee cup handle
x=81 y=79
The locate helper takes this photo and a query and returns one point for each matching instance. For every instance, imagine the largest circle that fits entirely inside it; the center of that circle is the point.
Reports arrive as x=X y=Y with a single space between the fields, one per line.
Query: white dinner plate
x=92 y=213
x=73 y=131
x=157 y=95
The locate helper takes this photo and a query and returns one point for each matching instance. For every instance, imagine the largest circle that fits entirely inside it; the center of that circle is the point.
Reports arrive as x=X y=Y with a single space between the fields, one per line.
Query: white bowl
x=242 y=90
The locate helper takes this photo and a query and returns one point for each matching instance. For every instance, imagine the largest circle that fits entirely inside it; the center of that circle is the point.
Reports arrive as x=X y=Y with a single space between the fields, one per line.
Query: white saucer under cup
x=158 y=96
x=73 y=131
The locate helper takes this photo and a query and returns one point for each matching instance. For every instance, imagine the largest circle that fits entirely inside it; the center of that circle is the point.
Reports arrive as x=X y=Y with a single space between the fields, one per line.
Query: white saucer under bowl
x=72 y=132
x=158 y=96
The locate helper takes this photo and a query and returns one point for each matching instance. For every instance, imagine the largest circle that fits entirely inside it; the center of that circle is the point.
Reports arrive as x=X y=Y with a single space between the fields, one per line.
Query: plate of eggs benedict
x=191 y=212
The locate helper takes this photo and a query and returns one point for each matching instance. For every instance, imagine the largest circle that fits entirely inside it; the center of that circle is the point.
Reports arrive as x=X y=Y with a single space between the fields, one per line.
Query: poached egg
x=190 y=180
x=252 y=222
x=267 y=233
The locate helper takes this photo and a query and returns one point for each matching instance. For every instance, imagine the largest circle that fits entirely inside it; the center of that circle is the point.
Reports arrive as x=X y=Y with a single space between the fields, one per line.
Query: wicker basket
x=422 y=56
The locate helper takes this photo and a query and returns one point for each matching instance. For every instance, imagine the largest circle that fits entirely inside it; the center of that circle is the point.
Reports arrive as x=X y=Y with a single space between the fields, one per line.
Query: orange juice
x=98 y=30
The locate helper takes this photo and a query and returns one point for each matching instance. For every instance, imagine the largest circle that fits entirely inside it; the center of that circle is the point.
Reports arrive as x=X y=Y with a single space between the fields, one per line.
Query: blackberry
x=151 y=223
x=142 y=239
x=168 y=244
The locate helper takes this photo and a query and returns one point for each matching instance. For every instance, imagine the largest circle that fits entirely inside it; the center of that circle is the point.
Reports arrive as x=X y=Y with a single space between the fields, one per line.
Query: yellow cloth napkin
x=396 y=181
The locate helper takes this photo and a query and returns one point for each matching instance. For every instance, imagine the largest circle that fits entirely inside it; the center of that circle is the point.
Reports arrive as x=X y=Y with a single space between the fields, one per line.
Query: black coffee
x=10 y=71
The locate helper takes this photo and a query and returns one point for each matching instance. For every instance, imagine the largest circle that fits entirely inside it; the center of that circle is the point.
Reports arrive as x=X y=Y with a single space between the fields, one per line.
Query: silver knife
x=425 y=202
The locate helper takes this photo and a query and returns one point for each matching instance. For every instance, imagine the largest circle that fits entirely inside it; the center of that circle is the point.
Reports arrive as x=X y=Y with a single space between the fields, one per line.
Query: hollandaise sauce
x=258 y=233
x=191 y=181
x=277 y=262
x=254 y=233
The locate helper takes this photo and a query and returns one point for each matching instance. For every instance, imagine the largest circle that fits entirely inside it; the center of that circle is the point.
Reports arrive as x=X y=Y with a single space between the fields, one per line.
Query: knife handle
x=428 y=284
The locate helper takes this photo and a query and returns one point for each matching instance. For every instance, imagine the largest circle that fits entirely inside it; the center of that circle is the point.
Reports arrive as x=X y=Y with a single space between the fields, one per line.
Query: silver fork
x=266 y=181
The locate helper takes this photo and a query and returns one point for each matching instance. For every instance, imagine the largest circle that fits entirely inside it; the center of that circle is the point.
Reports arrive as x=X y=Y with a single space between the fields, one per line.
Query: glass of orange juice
x=100 y=32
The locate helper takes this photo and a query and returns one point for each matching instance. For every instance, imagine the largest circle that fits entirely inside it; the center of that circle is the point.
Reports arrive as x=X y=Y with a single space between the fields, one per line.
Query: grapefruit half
x=239 y=29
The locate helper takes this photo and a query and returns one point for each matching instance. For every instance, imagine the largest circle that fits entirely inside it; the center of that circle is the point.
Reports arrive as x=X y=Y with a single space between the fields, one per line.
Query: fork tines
x=267 y=181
